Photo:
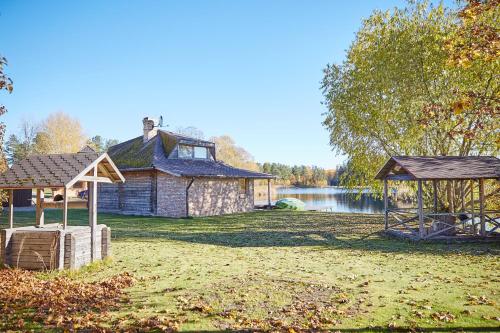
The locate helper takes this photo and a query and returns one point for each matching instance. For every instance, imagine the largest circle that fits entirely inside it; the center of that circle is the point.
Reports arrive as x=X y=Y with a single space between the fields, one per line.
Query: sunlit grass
x=253 y=269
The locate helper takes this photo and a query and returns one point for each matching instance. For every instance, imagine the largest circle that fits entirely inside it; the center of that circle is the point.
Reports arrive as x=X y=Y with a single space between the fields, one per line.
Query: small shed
x=57 y=246
x=460 y=179
x=22 y=198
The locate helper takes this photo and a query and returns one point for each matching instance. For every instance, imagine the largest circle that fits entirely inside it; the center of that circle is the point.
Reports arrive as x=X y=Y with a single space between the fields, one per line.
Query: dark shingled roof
x=134 y=154
x=54 y=170
x=205 y=168
x=441 y=167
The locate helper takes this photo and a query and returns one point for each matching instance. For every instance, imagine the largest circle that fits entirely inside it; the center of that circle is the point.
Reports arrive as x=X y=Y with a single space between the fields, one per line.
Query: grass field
x=284 y=270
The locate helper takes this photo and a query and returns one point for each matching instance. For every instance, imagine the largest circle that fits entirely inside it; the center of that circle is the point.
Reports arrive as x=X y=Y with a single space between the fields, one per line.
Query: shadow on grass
x=379 y=329
x=263 y=229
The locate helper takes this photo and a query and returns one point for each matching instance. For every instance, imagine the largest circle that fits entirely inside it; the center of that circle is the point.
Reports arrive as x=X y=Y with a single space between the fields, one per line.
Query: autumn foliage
x=57 y=303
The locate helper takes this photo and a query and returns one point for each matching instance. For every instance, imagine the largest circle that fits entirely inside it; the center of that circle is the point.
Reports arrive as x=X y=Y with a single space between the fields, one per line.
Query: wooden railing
x=407 y=221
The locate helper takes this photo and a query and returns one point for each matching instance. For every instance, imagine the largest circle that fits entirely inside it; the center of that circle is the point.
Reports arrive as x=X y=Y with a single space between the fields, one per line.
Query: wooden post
x=474 y=229
x=449 y=194
x=60 y=248
x=269 y=193
x=11 y=209
x=421 y=229
x=40 y=196
x=92 y=189
x=386 y=205
x=462 y=195
x=435 y=194
x=481 y=207
x=65 y=208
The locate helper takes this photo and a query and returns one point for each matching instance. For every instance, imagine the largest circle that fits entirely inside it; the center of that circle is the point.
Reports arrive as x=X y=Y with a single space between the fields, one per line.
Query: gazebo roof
x=59 y=170
x=440 y=167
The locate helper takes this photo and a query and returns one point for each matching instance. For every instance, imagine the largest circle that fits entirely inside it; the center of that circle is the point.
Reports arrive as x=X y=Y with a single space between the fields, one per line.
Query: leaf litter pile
x=62 y=303
x=282 y=306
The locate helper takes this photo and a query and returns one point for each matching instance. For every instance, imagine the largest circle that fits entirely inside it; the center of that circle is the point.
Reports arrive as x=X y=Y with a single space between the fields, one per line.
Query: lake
x=335 y=199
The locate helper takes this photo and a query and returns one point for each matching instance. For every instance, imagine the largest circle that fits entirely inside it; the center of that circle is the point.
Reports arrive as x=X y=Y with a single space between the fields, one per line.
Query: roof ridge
x=183 y=136
x=61 y=154
x=442 y=156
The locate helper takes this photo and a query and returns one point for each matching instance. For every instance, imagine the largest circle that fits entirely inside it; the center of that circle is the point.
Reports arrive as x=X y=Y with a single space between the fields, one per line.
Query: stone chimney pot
x=150 y=129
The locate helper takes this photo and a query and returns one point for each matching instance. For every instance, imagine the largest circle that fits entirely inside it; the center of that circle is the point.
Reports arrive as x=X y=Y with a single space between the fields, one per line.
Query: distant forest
x=302 y=175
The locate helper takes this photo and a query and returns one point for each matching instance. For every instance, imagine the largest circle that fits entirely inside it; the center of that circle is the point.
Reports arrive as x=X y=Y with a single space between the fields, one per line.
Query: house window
x=243 y=185
x=200 y=152
x=185 y=151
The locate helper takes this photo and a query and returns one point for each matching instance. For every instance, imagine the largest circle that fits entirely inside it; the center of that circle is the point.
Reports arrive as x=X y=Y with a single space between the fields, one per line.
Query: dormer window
x=200 y=152
x=186 y=151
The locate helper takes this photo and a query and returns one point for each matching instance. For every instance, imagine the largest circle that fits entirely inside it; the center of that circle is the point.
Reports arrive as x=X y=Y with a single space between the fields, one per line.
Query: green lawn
x=294 y=269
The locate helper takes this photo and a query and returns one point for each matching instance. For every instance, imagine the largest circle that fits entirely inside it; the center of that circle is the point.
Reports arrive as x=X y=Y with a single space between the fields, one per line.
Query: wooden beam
x=481 y=207
x=403 y=223
x=474 y=230
x=103 y=157
x=114 y=168
x=102 y=167
x=435 y=195
x=95 y=179
x=11 y=209
x=386 y=204
x=92 y=195
x=421 y=229
x=462 y=195
x=40 y=196
x=65 y=208
x=449 y=194
x=269 y=193
x=60 y=204
x=400 y=177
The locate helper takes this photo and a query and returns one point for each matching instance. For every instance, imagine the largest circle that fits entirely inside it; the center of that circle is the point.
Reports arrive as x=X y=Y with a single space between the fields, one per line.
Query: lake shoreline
x=332 y=199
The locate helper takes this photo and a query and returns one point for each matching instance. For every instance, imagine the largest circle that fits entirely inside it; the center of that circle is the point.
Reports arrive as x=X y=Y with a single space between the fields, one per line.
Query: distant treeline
x=301 y=175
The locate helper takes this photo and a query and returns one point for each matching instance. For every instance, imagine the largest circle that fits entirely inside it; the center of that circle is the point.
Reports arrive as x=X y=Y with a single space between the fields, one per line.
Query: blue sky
x=248 y=69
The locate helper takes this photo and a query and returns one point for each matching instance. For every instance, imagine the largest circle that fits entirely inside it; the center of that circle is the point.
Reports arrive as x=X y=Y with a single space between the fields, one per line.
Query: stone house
x=173 y=175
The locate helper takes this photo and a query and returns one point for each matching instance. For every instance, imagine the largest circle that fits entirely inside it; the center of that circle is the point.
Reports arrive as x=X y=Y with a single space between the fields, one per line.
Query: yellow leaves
x=459 y=106
x=342 y=298
x=60 y=302
x=60 y=133
x=446 y=317
x=479 y=300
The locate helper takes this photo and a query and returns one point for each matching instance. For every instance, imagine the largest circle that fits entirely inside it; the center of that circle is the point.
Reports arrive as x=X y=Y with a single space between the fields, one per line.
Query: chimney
x=150 y=129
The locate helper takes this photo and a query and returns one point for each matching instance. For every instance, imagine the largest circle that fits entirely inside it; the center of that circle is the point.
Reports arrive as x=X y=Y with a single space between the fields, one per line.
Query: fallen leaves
x=58 y=303
x=154 y=323
x=272 y=305
x=444 y=316
x=342 y=298
x=63 y=303
x=479 y=300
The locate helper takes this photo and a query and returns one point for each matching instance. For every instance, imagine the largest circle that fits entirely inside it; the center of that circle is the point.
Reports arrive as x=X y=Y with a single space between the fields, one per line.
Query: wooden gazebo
x=464 y=218
x=45 y=246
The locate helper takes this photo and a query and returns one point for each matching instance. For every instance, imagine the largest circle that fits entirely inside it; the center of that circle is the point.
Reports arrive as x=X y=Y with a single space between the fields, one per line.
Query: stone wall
x=158 y=193
x=171 y=195
x=209 y=196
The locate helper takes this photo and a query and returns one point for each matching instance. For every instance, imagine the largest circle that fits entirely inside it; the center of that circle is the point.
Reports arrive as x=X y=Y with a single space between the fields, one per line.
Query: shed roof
x=440 y=167
x=135 y=154
x=57 y=170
